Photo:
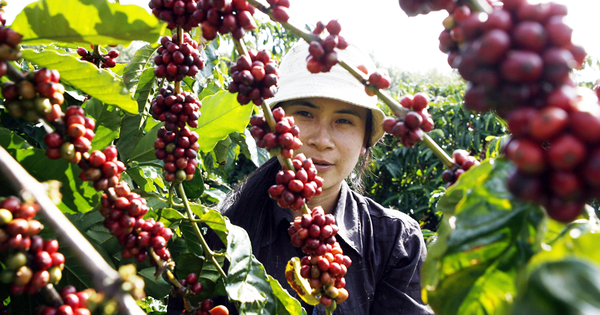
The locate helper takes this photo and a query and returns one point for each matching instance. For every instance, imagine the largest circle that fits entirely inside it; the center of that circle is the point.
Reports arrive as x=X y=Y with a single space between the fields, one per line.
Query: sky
x=383 y=30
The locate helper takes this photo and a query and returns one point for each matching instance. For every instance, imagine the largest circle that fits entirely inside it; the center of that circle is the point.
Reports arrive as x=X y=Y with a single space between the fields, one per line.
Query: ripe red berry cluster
x=179 y=152
x=175 y=61
x=557 y=155
x=284 y=137
x=204 y=307
x=75 y=303
x=176 y=109
x=74 y=138
x=9 y=47
x=322 y=55
x=464 y=160
x=416 y=123
x=102 y=167
x=255 y=78
x=519 y=55
x=379 y=79
x=175 y=13
x=279 y=10
x=104 y=61
x=295 y=188
x=32 y=262
x=325 y=264
x=518 y=60
x=123 y=211
x=415 y=7
x=34 y=96
x=191 y=285
x=218 y=16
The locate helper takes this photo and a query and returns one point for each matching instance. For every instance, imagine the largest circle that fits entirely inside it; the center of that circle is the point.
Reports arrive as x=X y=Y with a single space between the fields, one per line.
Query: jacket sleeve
x=399 y=290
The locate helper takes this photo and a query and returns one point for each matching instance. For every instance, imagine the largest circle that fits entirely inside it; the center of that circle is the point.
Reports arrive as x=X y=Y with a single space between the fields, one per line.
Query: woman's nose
x=320 y=137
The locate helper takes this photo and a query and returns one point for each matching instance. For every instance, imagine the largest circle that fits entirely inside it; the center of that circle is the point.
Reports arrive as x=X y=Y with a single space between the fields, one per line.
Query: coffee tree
x=137 y=150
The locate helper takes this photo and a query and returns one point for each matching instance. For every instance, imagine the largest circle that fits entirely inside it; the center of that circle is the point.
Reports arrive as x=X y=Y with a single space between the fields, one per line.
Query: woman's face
x=332 y=134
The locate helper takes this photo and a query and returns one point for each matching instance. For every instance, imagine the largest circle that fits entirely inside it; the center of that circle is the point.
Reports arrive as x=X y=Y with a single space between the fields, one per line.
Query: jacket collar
x=347 y=217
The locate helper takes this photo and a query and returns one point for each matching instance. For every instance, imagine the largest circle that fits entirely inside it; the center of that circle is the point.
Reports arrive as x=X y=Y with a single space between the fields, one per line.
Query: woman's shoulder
x=381 y=214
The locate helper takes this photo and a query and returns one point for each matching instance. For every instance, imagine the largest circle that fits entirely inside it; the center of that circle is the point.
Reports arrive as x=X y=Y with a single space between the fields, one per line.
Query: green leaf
x=83 y=75
x=191 y=239
x=567 y=287
x=75 y=269
x=144 y=150
x=157 y=288
x=137 y=66
x=247 y=281
x=195 y=187
x=483 y=240
x=108 y=122
x=221 y=115
x=96 y=22
x=215 y=220
x=132 y=130
x=286 y=304
x=145 y=90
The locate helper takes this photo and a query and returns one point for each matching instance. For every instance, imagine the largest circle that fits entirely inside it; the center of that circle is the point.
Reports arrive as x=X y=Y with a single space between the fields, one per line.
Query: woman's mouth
x=322 y=165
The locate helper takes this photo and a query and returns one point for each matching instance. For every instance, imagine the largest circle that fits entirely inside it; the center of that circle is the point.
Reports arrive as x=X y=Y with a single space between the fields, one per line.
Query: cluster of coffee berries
x=101 y=167
x=416 y=7
x=322 y=54
x=519 y=55
x=123 y=211
x=103 y=61
x=176 y=109
x=279 y=10
x=77 y=138
x=518 y=61
x=225 y=17
x=176 y=144
x=464 y=161
x=74 y=302
x=176 y=60
x=416 y=123
x=175 y=13
x=34 y=96
x=325 y=264
x=190 y=285
x=179 y=152
x=380 y=79
x=284 y=137
x=204 y=307
x=295 y=188
x=254 y=78
x=556 y=152
x=33 y=262
x=9 y=47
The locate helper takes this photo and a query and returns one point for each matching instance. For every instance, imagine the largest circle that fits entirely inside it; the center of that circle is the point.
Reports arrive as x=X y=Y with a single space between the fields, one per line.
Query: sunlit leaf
x=221 y=115
x=90 y=22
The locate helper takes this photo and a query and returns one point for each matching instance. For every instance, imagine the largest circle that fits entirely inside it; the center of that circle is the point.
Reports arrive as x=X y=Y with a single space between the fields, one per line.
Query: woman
x=338 y=124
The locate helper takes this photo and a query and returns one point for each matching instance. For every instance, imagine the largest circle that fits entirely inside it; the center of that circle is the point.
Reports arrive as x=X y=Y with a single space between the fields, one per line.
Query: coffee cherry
x=103 y=61
x=321 y=53
x=255 y=78
x=177 y=59
x=411 y=129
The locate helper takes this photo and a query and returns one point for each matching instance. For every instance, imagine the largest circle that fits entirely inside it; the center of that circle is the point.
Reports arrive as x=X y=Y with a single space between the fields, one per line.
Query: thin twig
x=207 y=251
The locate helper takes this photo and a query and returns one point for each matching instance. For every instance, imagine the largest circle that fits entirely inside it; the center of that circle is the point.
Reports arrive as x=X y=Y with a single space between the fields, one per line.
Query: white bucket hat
x=296 y=82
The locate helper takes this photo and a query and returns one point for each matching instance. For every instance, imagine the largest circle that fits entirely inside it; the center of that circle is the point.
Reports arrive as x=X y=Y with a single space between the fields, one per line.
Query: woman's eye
x=303 y=113
x=344 y=121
